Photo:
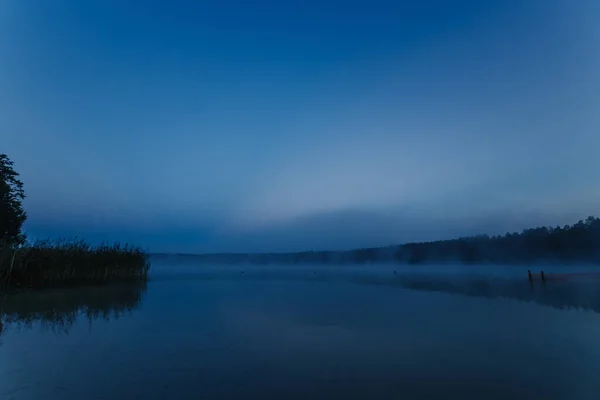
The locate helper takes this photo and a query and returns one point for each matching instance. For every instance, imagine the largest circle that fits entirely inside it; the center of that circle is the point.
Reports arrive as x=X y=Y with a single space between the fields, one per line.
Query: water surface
x=306 y=332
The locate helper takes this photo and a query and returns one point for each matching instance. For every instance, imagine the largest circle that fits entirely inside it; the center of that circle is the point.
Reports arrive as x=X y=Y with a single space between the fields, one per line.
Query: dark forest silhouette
x=577 y=243
x=572 y=243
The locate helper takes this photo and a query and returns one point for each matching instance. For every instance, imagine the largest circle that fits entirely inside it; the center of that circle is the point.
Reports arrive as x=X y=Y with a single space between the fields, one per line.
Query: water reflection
x=58 y=309
x=579 y=291
x=561 y=295
x=226 y=336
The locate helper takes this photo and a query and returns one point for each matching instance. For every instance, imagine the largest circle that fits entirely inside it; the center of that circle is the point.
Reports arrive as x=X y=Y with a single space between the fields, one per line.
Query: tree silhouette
x=12 y=215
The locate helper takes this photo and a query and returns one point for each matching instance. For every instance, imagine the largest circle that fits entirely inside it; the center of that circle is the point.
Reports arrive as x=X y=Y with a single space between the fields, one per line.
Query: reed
x=46 y=264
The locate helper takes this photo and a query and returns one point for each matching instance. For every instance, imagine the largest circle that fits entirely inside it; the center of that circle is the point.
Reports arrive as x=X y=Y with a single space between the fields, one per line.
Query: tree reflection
x=58 y=309
x=557 y=294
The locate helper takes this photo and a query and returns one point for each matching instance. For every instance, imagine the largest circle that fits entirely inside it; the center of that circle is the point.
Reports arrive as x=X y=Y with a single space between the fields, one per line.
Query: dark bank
x=43 y=264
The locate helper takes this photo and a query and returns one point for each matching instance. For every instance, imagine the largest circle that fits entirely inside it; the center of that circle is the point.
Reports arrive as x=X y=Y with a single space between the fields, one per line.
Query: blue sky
x=273 y=126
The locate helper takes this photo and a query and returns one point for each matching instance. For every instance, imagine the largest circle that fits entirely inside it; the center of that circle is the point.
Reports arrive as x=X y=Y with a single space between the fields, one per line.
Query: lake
x=300 y=332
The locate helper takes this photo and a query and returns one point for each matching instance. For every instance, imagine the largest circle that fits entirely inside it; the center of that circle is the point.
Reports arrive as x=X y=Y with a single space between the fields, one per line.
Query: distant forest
x=578 y=243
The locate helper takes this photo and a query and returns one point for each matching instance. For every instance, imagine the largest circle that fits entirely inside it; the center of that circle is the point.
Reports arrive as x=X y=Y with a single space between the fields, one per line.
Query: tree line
x=577 y=243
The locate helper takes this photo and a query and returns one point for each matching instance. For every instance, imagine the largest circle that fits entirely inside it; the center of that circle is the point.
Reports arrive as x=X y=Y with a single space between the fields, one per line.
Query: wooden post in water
x=529 y=273
x=543 y=277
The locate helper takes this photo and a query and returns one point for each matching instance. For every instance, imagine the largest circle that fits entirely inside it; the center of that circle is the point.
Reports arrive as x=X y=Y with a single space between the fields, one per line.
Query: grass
x=47 y=264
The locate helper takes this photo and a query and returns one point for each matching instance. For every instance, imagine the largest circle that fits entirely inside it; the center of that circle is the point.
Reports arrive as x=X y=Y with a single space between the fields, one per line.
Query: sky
x=250 y=126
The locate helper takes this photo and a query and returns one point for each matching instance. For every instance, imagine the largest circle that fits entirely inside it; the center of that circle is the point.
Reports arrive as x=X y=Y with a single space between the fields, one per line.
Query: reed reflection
x=58 y=309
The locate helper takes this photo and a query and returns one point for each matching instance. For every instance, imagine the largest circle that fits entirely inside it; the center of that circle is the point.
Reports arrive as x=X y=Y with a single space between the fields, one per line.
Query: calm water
x=306 y=332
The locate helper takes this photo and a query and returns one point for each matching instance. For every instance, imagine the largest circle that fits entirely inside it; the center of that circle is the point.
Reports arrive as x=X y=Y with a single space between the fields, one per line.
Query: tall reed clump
x=66 y=263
